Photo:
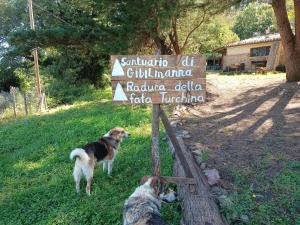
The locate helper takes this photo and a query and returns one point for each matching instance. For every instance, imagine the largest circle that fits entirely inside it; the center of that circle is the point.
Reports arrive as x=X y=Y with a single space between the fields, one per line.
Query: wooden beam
x=175 y=143
x=35 y=53
x=179 y=180
x=199 y=205
x=155 y=140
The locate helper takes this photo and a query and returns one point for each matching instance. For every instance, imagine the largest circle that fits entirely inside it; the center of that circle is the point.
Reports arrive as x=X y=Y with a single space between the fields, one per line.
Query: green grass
x=272 y=201
x=36 y=183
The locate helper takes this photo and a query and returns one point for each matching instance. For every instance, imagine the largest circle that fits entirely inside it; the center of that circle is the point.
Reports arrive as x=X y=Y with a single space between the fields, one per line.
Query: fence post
x=25 y=103
x=13 y=94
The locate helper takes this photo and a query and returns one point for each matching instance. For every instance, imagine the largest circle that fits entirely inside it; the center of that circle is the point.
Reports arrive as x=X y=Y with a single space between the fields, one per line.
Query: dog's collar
x=108 y=140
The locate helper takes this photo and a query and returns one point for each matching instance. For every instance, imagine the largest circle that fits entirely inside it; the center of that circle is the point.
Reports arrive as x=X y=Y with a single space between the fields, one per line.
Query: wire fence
x=17 y=103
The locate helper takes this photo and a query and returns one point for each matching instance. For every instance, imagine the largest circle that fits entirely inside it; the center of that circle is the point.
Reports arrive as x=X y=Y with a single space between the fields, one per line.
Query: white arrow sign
x=119 y=94
x=117 y=69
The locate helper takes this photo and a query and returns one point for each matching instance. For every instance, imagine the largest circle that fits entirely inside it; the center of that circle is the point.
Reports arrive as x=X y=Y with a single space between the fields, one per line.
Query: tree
x=215 y=33
x=289 y=39
x=164 y=24
x=83 y=33
x=254 y=18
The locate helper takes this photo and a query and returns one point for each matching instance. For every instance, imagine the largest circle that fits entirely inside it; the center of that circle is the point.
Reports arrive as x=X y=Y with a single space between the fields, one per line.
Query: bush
x=60 y=92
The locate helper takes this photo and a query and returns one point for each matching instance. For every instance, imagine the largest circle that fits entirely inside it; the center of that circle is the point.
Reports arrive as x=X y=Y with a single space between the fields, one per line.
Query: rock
x=203 y=166
x=194 y=112
x=212 y=176
x=184 y=132
x=187 y=136
x=244 y=218
x=218 y=191
x=197 y=152
x=258 y=197
x=283 y=91
x=198 y=159
x=180 y=108
x=192 y=147
x=209 y=166
x=225 y=201
x=176 y=113
x=174 y=123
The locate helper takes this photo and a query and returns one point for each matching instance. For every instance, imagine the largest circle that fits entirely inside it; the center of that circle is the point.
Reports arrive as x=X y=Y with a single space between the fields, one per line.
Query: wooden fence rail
x=199 y=206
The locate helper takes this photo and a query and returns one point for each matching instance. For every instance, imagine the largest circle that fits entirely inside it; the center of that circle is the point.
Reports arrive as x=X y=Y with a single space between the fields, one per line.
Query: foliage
x=9 y=75
x=75 y=38
x=165 y=25
x=214 y=34
x=24 y=78
x=254 y=18
x=291 y=12
x=36 y=177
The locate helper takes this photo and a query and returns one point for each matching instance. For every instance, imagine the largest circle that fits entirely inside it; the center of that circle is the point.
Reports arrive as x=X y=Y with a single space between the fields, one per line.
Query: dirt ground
x=248 y=119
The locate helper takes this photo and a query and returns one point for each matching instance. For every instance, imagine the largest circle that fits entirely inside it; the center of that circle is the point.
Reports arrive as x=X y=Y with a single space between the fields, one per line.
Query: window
x=262 y=51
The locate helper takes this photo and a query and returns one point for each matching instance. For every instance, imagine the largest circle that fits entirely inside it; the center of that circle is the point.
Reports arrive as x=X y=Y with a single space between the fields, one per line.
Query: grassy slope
x=36 y=185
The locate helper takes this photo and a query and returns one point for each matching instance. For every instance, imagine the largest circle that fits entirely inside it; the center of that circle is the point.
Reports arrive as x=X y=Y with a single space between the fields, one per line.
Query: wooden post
x=155 y=136
x=155 y=140
x=25 y=103
x=13 y=93
x=45 y=102
x=35 y=53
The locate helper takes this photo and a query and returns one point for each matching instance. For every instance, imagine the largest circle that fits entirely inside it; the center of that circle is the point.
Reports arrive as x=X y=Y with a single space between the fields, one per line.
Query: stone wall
x=230 y=60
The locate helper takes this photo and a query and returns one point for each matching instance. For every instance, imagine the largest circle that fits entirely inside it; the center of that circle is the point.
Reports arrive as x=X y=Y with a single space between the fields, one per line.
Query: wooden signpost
x=169 y=79
x=158 y=79
x=162 y=79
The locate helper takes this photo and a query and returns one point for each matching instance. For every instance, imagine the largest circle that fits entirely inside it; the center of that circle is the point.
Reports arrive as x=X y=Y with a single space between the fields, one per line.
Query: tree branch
x=192 y=31
x=173 y=36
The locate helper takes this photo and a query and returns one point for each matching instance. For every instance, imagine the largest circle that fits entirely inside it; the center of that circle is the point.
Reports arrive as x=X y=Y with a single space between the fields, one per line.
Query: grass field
x=36 y=183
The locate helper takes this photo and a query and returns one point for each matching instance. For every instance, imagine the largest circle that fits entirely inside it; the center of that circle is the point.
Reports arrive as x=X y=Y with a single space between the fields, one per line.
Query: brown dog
x=104 y=150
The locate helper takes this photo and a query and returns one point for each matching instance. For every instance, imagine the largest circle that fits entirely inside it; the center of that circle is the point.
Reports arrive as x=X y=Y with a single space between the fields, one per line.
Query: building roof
x=255 y=40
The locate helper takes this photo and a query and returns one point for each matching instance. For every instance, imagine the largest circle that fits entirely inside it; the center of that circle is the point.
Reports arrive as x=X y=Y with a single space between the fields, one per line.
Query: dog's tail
x=81 y=154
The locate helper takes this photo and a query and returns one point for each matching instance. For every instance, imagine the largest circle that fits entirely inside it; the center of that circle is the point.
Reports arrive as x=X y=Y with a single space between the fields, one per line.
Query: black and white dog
x=104 y=150
x=143 y=206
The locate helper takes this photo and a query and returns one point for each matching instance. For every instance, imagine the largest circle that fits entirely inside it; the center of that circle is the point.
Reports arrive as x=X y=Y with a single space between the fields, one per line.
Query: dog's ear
x=158 y=183
x=144 y=180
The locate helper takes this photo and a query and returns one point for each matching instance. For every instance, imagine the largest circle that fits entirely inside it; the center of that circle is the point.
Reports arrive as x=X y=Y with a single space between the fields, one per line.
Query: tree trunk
x=290 y=42
x=162 y=46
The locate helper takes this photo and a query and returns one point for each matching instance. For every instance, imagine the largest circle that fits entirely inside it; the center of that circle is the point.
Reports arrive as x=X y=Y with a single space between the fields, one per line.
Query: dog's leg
x=88 y=185
x=104 y=165
x=110 y=166
x=77 y=173
x=88 y=171
x=89 y=178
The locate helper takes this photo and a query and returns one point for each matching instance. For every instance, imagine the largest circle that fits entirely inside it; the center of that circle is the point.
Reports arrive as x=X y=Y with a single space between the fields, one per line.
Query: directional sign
x=163 y=79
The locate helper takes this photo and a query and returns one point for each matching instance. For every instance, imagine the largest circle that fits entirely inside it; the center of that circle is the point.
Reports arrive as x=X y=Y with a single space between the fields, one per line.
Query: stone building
x=246 y=55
